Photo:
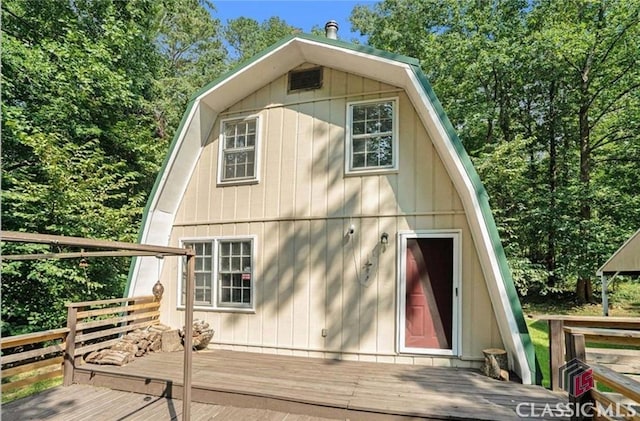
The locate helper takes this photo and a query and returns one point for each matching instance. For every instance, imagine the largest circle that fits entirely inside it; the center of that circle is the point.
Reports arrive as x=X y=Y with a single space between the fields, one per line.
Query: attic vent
x=306 y=79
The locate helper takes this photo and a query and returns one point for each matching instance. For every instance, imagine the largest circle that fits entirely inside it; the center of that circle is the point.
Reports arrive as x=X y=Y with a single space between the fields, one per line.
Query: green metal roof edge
x=483 y=200
x=154 y=190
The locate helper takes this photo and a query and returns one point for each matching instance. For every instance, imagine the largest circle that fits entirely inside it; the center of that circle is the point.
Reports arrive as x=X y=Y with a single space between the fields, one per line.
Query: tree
x=93 y=90
x=78 y=152
x=246 y=37
x=554 y=84
x=189 y=40
x=599 y=46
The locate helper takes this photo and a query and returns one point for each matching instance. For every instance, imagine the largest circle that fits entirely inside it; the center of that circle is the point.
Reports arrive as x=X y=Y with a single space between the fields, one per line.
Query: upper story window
x=239 y=150
x=372 y=140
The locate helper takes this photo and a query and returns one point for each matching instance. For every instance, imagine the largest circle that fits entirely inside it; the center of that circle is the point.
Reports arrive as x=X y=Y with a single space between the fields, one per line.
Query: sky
x=301 y=14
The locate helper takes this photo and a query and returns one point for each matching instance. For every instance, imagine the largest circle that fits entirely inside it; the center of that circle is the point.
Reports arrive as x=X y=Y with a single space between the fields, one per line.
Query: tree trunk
x=550 y=257
x=584 y=288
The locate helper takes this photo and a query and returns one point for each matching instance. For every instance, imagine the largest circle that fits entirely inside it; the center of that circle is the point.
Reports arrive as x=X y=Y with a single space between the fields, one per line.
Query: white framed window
x=239 y=150
x=224 y=273
x=203 y=283
x=372 y=136
x=234 y=273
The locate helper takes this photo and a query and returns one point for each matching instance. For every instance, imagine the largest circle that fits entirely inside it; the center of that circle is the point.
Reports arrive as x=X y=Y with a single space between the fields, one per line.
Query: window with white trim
x=223 y=273
x=203 y=285
x=234 y=273
x=238 y=150
x=372 y=136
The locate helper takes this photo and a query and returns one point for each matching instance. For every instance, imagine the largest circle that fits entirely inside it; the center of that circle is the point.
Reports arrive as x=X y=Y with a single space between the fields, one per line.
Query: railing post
x=188 y=339
x=556 y=352
x=570 y=349
x=70 y=348
x=579 y=346
x=575 y=343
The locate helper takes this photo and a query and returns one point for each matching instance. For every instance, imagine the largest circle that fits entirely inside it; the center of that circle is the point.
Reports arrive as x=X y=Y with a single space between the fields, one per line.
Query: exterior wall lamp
x=384 y=238
x=158 y=288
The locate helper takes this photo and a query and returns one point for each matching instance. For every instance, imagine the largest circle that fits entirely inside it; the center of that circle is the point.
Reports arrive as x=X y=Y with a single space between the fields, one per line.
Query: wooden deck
x=324 y=388
x=83 y=402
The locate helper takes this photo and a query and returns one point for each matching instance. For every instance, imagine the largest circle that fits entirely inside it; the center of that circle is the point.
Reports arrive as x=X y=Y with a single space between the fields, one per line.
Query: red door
x=429 y=293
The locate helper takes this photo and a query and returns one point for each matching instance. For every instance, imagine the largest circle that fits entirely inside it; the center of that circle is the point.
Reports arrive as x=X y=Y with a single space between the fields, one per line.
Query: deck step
x=86 y=375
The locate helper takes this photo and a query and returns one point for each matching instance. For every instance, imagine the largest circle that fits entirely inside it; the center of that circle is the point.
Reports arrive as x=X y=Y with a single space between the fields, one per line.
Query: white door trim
x=456 y=335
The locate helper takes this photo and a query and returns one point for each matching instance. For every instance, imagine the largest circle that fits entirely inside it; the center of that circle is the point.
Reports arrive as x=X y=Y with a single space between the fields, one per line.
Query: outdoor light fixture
x=384 y=238
x=158 y=288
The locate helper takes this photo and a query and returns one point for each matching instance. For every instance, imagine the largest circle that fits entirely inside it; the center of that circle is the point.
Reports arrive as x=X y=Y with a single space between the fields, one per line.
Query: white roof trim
x=480 y=233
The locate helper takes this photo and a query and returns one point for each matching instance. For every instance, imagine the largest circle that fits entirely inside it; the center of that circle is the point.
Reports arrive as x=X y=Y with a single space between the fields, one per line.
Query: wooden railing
x=91 y=326
x=625 y=388
x=31 y=358
x=96 y=325
x=557 y=346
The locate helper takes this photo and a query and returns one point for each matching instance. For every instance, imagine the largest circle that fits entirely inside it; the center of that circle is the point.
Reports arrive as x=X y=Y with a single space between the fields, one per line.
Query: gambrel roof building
x=335 y=214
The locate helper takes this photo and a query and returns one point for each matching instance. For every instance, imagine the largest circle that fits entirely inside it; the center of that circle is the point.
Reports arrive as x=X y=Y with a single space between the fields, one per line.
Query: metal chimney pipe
x=331 y=29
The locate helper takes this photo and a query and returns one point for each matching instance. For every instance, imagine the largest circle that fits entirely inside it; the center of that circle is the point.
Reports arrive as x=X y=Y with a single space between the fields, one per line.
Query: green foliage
x=189 y=40
x=247 y=37
x=79 y=157
x=545 y=95
x=624 y=294
x=93 y=91
x=546 y=98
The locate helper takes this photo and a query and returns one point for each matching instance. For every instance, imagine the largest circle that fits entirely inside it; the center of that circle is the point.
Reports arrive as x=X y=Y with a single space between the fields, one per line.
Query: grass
x=624 y=301
x=539 y=333
x=30 y=389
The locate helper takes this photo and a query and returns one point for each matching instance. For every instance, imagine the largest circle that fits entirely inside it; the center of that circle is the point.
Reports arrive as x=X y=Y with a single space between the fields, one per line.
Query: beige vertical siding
x=308 y=275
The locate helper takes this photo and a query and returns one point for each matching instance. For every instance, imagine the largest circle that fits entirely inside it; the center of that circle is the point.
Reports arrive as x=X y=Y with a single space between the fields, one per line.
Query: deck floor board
x=382 y=390
x=84 y=402
x=230 y=385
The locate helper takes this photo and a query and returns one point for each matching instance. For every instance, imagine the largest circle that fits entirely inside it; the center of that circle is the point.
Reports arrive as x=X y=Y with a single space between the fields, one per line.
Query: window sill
x=237 y=182
x=360 y=173
x=220 y=309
